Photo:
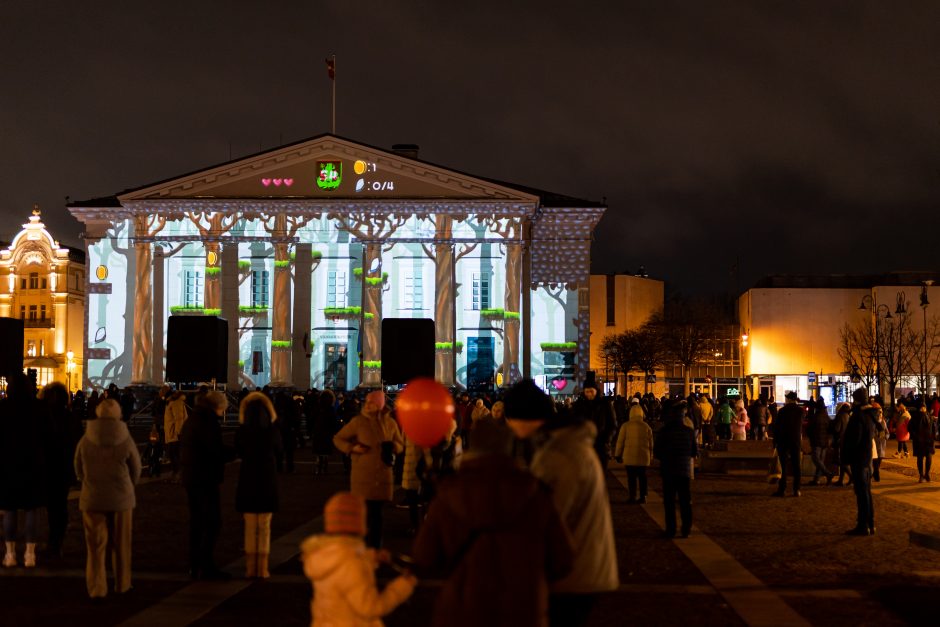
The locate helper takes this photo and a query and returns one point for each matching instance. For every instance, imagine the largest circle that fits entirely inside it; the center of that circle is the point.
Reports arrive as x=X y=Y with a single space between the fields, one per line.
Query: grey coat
x=108 y=465
x=370 y=477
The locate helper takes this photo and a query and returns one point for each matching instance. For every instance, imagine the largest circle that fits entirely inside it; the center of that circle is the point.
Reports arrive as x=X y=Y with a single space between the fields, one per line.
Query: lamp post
x=924 y=303
x=870 y=303
x=69 y=364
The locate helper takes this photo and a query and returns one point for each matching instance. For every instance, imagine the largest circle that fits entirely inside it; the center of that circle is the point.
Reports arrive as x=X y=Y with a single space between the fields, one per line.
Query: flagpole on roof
x=331 y=72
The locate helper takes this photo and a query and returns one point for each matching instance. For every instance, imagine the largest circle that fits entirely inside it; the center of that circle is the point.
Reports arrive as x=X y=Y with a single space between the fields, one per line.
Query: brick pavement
x=793 y=551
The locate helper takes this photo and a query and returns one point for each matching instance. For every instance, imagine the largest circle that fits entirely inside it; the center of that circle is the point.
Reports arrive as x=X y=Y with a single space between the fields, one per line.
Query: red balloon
x=425 y=411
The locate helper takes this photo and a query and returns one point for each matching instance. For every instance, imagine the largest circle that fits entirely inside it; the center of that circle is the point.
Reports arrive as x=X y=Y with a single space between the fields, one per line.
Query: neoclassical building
x=306 y=248
x=45 y=287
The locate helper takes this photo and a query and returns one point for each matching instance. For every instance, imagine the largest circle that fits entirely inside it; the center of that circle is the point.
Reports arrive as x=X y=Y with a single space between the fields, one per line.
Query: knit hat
x=860 y=396
x=634 y=401
x=525 y=401
x=345 y=513
x=377 y=398
x=792 y=396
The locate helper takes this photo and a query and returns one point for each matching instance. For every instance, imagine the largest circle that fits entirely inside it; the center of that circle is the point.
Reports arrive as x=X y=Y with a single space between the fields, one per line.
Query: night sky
x=794 y=136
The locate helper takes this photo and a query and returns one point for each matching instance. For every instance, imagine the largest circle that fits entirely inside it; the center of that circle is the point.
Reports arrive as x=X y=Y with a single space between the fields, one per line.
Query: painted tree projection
x=98 y=338
x=371 y=230
x=212 y=225
x=145 y=227
x=445 y=291
x=510 y=229
x=282 y=229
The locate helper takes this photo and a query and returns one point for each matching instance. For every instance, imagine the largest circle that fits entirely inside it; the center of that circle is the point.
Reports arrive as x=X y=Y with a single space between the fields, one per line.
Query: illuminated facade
x=43 y=284
x=304 y=249
x=793 y=329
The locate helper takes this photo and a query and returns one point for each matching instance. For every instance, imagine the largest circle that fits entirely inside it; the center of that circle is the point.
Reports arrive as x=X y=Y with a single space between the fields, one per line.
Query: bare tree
x=686 y=328
x=927 y=357
x=897 y=345
x=858 y=351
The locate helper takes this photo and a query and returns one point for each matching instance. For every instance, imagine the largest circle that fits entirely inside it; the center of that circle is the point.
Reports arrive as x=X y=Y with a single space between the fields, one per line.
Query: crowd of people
x=510 y=506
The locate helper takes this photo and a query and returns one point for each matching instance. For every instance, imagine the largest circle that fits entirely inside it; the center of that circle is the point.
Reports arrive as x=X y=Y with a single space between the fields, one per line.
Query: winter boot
x=29 y=558
x=251 y=565
x=263 y=566
x=9 y=560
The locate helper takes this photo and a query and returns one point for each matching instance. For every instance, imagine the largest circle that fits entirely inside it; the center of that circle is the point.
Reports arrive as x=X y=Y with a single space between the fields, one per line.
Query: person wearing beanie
x=342 y=569
x=857 y=444
x=495 y=535
x=676 y=450
x=372 y=439
x=257 y=443
x=567 y=463
x=108 y=465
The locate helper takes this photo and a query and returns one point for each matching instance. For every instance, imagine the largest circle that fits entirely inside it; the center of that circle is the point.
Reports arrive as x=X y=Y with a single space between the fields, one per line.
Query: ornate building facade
x=306 y=248
x=45 y=287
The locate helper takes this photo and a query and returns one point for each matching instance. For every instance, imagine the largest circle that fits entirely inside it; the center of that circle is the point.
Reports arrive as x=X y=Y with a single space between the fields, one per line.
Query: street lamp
x=69 y=364
x=924 y=303
x=870 y=303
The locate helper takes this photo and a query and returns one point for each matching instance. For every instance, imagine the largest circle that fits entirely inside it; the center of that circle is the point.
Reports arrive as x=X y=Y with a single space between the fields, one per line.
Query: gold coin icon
x=212 y=258
x=101 y=272
x=359 y=167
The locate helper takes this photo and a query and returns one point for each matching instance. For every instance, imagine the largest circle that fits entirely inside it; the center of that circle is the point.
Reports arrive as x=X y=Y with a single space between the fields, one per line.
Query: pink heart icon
x=559 y=384
x=277 y=182
x=288 y=182
x=265 y=182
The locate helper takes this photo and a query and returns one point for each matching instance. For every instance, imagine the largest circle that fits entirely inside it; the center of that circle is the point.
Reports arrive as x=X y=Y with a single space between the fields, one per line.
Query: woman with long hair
x=257 y=443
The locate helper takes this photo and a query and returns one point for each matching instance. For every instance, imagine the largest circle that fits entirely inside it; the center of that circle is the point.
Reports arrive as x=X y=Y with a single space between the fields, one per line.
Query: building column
x=142 y=360
x=212 y=295
x=159 y=286
x=583 y=363
x=228 y=289
x=300 y=355
x=372 y=304
x=281 y=313
x=444 y=312
x=512 y=303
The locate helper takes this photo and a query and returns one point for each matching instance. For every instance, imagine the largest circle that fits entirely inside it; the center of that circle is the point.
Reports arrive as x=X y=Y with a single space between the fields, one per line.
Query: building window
x=611 y=301
x=31 y=348
x=23 y=312
x=42 y=347
x=413 y=297
x=23 y=284
x=336 y=289
x=33 y=280
x=481 y=290
x=259 y=288
x=257 y=362
x=42 y=312
x=32 y=312
x=43 y=283
x=192 y=289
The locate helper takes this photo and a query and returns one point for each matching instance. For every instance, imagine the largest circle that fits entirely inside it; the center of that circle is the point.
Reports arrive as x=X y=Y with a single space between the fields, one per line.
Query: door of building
x=481 y=367
x=334 y=371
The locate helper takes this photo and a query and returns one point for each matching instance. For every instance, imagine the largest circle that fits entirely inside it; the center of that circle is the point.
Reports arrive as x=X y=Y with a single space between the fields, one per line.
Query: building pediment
x=327 y=168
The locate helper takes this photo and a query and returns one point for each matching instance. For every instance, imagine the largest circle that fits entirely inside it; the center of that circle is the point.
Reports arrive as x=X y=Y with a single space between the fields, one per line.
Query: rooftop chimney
x=406 y=150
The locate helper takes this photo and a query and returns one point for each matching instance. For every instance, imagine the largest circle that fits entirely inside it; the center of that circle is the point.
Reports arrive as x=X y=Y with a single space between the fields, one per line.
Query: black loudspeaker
x=11 y=346
x=407 y=349
x=197 y=349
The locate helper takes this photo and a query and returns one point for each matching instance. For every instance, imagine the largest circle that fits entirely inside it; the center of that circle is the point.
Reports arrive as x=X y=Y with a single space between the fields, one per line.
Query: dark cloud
x=775 y=133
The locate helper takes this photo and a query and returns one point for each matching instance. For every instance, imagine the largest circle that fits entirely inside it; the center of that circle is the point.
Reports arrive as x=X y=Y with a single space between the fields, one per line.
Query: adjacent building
x=43 y=284
x=306 y=248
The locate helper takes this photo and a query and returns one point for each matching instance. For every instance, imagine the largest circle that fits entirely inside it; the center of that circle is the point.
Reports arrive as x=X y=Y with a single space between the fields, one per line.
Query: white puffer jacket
x=342 y=570
x=108 y=465
x=635 y=441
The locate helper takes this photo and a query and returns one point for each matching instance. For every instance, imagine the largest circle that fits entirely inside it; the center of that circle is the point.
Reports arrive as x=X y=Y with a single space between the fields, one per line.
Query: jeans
x=790 y=458
x=680 y=487
x=759 y=431
x=923 y=465
x=861 y=476
x=9 y=525
x=636 y=475
x=819 y=459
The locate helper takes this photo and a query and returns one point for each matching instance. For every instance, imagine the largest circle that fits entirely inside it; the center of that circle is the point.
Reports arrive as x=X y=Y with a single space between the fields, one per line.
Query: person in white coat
x=342 y=570
x=635 y=451
x=108 y=465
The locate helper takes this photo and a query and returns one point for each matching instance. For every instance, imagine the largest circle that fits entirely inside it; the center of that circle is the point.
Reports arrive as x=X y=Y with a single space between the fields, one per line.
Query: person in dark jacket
x=788 y=433
x=496 y=536
x=818 y=432
x=758 y=413
x=65 y=430
x=923 y=430
x=289 y=425
x=203 y=456
x=325 y=426
x=592 y=406
x=675 y=449
x=256 y=443
x=23 y=429
x=857 y=444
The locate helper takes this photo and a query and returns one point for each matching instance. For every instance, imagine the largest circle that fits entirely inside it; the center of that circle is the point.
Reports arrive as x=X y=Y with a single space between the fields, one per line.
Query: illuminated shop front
x=306 y=248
